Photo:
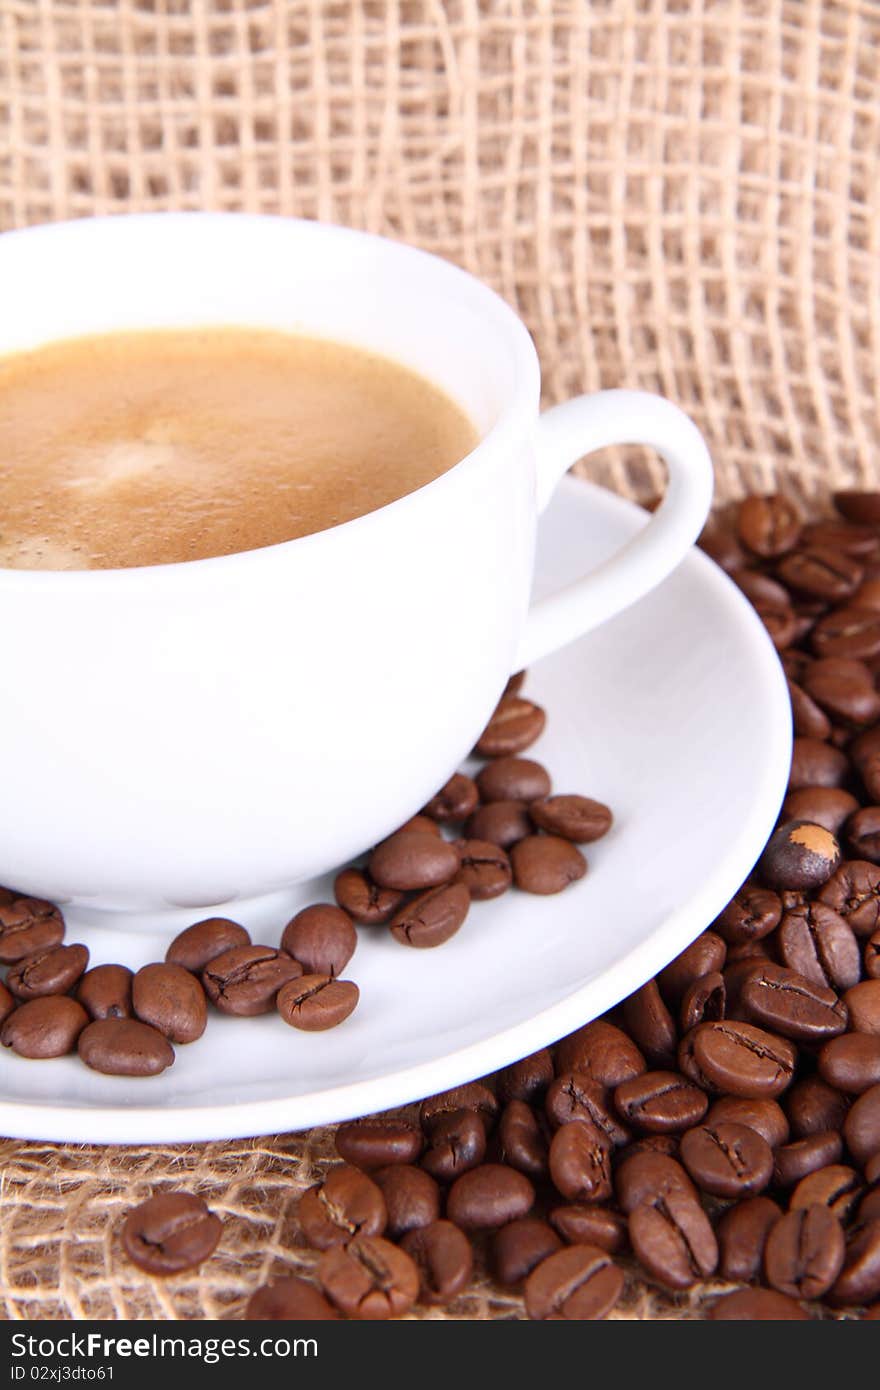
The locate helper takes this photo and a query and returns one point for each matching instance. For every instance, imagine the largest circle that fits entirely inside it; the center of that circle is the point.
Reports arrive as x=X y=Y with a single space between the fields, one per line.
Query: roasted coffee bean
x=752 y=914
x=757 y=1305
x=844 y=689
x=800 y=856
x=735 y=974
x=574 y=1095
x=171 y=999
x=782 y=624
x=846 y=536
x=580 y=1283
x=791 y=1005
x=523 y=1140
x=313 y=1003
x=851 y=1063
x=411 y=861
x=444 y=1259
x=580 y=1162
x=377 y=1143
x=489 y=1196
x=44 y=1027
x=474 y=1095
x=666 y=1144
x=863 y=834
x=794 y=663
x=546 y=864
x=815 y=941
x=246 y=979
x=124 y=1047
x=854 y=892
x=412 y=1198
x=813 y=1107
x=53 y=971
x=727 y=1160
x=203 y=942
x=826 y=806
x=364 y=901
x=604 y=1052
x=521 y=1245
x=865 y=754
x=868 y=593
x=485 y=869
x=576 y=818
x=705 y=1001
x=346 y=1204
x=809 y=720
x=751 y=953
x=660 y=1102
x=28 y=925
x=322 y=938
x=768 y=526
x=742 y=1234
x=863 y=1003
x=432 y=918
x=7 y=1003
x=761 y=590
x=454 y=801
x=791 y=900
x=500 y=823
x=737 y=1059
x=869 y=1207
x=457 y=1144
x=861 y=1128
x=673 y=1240
x=289 y=1300
x=513 y=779
x=849 y=632
x=857 y=506
x=795 y=1161
x=859 y=1279
x=720 y=543
x=580 y=1224
x=528 y=1079
x=423 y=824
x=369 y=1279
x=765 y=1117
x=649 y=1177
x=650 y=1024
x=816 y=764
x=872 y=956
x=836 y=1187
x=170 y=1232
x=703 y=957
x=514 y=727
x=820 y=572
x=105 y=991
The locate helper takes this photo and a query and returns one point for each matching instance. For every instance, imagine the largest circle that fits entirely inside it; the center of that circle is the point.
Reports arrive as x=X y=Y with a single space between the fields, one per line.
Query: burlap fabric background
x=680 y=195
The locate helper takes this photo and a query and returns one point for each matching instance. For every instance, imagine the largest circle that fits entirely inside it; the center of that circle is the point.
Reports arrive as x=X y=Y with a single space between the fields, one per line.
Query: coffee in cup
x=148 y=448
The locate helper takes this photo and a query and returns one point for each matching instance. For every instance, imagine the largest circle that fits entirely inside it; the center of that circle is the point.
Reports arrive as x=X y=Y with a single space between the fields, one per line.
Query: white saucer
x=675 y=714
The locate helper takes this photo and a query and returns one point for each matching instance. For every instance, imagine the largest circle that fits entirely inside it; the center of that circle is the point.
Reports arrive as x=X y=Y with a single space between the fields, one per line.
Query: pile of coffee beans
x=721 y=1127
x=506 y=829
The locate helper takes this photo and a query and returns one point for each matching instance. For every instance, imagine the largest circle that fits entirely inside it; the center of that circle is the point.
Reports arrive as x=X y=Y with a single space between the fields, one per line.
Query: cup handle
x=577 y=427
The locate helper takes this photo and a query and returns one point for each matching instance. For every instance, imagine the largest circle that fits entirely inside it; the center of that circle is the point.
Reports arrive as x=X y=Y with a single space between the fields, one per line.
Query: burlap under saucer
x=679 y=196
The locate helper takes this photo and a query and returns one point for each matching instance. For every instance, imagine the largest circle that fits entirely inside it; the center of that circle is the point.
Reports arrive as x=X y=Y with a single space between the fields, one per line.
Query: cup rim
x=514 y=423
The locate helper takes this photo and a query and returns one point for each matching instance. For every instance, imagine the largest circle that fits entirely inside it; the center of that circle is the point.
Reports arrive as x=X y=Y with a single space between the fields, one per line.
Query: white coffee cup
x=191 y=735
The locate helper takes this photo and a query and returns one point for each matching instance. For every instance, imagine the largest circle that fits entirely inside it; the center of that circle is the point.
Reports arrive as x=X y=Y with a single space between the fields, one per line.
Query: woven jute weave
x=678 y=195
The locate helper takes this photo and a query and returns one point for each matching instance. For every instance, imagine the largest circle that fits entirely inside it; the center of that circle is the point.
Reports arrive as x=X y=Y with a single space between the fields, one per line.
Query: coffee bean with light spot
x=799 y=855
